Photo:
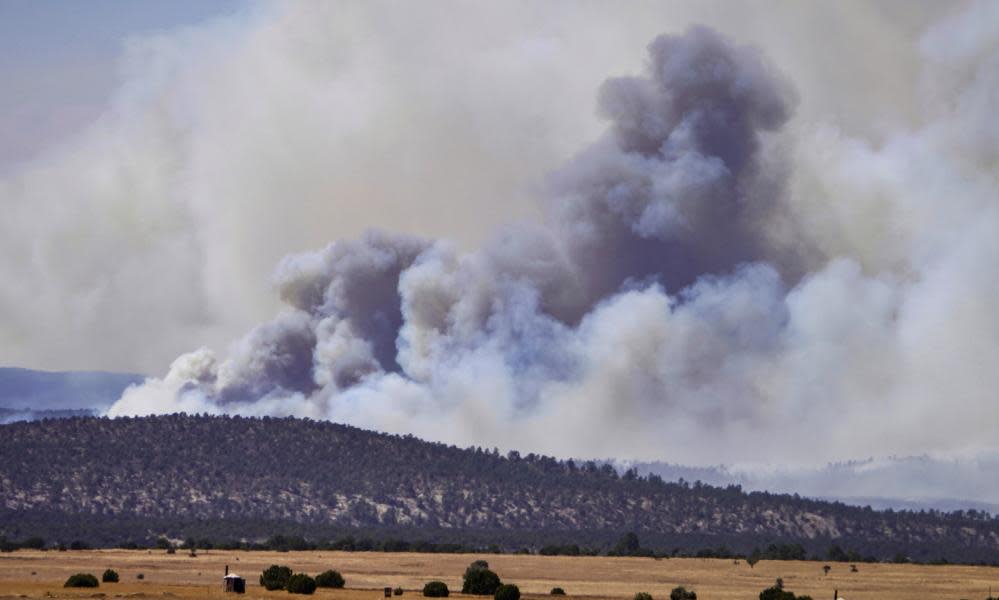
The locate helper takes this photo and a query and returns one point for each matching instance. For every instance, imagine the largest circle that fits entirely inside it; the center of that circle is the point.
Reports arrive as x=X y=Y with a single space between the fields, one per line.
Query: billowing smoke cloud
x=743 y=266
x=710 y=283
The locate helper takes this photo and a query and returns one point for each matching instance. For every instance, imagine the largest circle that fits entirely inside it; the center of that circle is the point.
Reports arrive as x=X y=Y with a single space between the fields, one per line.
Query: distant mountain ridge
x=27 y=394
x=899 y=483
x=233 y=477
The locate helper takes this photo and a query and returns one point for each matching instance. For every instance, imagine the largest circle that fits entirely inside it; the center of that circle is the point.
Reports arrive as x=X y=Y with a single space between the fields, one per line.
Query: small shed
x=233 y=583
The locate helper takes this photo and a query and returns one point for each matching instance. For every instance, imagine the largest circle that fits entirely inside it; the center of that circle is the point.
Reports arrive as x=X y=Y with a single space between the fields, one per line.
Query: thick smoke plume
x=704 y=286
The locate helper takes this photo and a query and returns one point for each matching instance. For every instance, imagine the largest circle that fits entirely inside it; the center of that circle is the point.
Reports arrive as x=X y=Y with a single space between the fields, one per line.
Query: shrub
x=171 y=550
x=397 y=591
x=682 y=593
x=110 y=576
x=643 y=596
x=557 y=591
x=140 y=576
x=275 y=577
x=330 y=579
x=507 y=591
x=81 y=580
x=777 y=592
x=300 y=583
x=479 y=580
x=435 y=589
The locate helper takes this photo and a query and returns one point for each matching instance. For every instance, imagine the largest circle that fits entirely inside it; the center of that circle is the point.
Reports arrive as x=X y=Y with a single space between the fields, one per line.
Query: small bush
x=275 y=577
x=643 y=596
x=140 y=576
x=777 y=592
x=81 y=580
x=435 y=589
x=479 y=580
x=682 y=593
x=171 y=550
x=300 y=583
x=397 y=591
x=330 y=579
x=507 y=592
x=557 y=591
x=109 y=576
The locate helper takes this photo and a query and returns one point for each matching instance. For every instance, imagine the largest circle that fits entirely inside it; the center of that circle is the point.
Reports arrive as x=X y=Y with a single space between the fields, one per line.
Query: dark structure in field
x=233 y=583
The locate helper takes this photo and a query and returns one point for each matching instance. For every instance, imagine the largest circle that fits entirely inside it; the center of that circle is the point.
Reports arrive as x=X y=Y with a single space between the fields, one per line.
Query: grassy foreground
x=36 y=574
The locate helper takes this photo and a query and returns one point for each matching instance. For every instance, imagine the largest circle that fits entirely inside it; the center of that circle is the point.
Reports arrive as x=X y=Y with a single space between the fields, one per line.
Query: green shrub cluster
x=507 y=591
x=110 y=576
x=330 y=579
x=300 y=583
x=777 y=592
x=682 y=593
x=81 y=580
x=275 y=577
x=435 y=589
x=479 y=580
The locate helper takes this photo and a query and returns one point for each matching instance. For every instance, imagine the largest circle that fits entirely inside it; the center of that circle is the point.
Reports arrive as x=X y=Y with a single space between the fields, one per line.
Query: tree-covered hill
x=110 y=480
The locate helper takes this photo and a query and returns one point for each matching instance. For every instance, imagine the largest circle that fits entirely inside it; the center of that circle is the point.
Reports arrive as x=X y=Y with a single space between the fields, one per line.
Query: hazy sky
x=59 y=62
x=778 y=225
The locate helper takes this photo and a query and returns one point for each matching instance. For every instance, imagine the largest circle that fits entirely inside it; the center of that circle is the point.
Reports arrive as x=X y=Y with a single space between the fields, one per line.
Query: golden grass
x=36 y=574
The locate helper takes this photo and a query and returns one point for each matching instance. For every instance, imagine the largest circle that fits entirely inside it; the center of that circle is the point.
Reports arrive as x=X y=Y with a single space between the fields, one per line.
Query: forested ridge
x=111 y=480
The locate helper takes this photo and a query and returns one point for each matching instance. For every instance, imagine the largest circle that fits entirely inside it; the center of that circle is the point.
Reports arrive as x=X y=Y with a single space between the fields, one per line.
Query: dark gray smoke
x=676 y=191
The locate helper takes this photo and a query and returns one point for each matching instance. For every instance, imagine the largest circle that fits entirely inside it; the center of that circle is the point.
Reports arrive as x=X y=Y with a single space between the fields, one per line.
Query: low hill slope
x=232 y=477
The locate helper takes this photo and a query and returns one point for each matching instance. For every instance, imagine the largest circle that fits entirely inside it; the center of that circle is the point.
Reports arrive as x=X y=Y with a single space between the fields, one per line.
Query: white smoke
x=713 y=279
x=667 y=307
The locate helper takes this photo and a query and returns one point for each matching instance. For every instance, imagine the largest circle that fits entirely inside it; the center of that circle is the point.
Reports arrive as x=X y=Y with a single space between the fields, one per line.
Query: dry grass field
x=35 y=574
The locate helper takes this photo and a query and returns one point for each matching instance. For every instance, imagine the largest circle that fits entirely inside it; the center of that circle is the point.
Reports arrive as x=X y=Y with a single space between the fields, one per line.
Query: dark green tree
x=479 y=580
x=300 y=583
x=682 y=593
x=628 y=545
x=507 y=591
x=330 y=579
x=435 y=589
x=81 y=580
x=110 y=576
x=275 y=577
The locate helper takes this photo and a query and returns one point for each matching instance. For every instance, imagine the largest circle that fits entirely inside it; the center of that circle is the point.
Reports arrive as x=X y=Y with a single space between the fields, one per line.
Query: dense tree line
x=242 y=481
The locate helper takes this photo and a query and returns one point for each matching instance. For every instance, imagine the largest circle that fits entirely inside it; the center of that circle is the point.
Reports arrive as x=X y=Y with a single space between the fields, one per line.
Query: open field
x=37 y=574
